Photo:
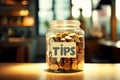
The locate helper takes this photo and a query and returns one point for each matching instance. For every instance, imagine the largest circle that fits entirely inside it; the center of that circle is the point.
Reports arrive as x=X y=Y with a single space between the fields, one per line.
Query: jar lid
x=64 y=23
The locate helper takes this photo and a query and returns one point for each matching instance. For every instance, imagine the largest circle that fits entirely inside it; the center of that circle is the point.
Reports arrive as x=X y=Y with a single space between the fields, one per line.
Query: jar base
x=62 y=71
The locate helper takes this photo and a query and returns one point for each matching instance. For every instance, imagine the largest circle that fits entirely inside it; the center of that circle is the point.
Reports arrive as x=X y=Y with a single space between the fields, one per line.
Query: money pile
x=75 y=63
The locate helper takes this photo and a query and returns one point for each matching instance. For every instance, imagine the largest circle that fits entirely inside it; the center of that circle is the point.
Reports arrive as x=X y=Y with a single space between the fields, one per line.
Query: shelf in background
x=14 y=2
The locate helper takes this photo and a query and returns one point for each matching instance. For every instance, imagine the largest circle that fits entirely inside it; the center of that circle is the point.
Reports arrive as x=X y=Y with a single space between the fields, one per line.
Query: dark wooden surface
x=36 y=71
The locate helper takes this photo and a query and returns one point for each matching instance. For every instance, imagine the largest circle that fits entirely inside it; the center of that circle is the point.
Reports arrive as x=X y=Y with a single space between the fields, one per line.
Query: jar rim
x=65 y=23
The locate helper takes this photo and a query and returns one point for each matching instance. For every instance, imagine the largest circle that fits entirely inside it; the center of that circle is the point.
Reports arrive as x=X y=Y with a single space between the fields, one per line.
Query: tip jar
x=65 y=46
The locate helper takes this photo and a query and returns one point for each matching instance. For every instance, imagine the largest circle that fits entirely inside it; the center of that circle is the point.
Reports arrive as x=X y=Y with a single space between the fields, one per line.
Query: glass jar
x=65 y=46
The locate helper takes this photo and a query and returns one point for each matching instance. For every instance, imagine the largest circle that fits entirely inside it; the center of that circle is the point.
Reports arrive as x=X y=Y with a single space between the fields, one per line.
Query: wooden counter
x=35 y=71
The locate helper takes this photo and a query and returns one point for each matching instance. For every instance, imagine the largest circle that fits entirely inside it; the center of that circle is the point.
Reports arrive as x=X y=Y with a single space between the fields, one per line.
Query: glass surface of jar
x=65 y=46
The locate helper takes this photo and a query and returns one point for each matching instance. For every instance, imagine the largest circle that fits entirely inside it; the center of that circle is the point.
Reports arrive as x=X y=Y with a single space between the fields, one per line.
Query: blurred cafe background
x=23 y=25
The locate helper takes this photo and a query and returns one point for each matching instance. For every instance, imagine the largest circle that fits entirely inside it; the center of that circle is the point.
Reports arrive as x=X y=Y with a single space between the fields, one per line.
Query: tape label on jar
x=63 y=50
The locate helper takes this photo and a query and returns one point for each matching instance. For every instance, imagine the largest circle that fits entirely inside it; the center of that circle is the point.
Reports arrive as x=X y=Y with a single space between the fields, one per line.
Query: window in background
x=86 y=7
x=95 y=12
x=118 y=17
x=62 y=9
x=50 y=10
x=101 y=16
x=45 y=14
